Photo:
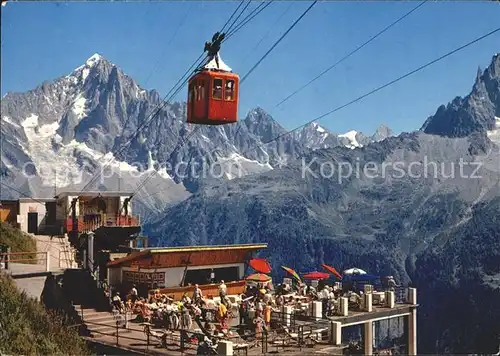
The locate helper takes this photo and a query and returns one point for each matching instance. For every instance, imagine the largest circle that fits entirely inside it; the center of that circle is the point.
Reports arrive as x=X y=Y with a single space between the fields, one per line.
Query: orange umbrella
x=332 y=270
x=292 y=272
x=258 y=277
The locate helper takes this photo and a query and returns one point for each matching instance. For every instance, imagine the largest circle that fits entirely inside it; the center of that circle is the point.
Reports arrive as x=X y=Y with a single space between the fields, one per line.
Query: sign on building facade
x=148 y=278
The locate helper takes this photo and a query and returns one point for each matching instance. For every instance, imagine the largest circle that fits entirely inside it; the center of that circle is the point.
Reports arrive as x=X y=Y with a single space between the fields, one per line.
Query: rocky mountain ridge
x=60 y=134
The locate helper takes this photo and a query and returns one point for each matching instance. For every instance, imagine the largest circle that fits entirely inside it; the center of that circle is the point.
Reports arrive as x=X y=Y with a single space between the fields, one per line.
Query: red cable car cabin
x=213 y=97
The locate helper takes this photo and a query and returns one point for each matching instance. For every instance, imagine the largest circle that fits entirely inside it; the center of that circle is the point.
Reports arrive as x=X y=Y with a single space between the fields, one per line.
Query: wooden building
x=94 y=210
x=35 y=216
x=175 y=270
x=9 y=209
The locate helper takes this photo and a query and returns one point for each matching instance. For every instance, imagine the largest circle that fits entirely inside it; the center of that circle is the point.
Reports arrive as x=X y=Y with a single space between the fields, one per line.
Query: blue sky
x=42 y=41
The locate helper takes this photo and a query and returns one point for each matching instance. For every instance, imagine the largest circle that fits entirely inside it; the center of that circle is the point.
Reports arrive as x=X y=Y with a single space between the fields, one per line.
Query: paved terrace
x=291 y=333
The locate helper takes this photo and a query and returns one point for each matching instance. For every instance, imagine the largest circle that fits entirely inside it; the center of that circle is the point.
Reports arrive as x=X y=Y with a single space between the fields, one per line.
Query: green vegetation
x=18 y=241
x=27 y=328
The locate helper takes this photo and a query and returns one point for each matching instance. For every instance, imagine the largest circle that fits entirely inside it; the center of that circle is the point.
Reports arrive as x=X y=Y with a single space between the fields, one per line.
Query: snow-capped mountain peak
x=318 y=128
x=316 y=137
x=96 y=57
x=351 y=136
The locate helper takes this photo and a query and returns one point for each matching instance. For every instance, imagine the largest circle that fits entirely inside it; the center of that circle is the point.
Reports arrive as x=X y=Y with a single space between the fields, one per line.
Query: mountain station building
x=175 y=270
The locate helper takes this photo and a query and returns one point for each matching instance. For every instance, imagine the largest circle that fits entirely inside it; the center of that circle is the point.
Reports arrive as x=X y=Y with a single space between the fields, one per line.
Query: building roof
x=36 y=200
x=151 y=252
x=93 y=194
x=207 y=248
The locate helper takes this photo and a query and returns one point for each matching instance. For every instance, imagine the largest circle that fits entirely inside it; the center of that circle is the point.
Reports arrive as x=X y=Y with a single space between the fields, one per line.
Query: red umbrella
x=260 y=265
x=316 y=275
x=332 y=270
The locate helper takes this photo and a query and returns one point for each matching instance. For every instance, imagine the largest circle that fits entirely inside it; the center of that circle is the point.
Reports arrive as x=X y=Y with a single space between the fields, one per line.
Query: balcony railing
x=91 y=222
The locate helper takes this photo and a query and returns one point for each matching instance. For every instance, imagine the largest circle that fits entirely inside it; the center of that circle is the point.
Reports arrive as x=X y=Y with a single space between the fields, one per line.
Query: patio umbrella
x=292 y=272
x=352 y=271
x=361 y=277
x=258 y=277
x=332 y=270
x=316 y=275
x=260 y=265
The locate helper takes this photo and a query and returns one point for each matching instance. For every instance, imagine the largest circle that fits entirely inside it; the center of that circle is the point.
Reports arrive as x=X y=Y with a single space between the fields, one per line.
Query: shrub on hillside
x=18 y=241
x=27 y=328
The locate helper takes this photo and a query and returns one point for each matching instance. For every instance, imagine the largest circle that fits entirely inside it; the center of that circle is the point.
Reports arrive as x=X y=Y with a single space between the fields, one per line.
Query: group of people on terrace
x=254 y=307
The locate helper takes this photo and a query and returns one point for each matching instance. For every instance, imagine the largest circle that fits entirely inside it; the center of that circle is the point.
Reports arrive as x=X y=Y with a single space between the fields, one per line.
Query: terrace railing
x=91 y=222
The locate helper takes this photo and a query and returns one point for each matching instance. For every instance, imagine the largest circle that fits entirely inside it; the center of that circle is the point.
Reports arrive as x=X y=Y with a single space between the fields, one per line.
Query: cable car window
x=229 y=90
x=198 y=93
x=195 y=90
x=191 y=92
x=217 y=89
x=202 y=90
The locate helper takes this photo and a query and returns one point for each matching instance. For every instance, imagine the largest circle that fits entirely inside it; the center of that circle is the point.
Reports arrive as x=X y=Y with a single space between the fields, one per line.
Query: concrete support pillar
x=368 y=288
x=47 y=261
x=368 y=302
x=412 y=296
x=344 y=306
x=225 y=348
x=368 y=338
x=317 y=310
x=84 y=256
x=335 y=333
x=390 y=299
x=287 y=314
x=90 y=249
x=412 y=332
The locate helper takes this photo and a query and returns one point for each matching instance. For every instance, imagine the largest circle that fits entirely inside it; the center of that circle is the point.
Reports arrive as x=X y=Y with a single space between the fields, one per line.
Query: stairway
x=61 y=253
x=98 y=322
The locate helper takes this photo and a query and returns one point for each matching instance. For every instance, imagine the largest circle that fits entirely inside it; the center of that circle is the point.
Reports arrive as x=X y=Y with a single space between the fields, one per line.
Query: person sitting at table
x=222 y=315
x=118 y=303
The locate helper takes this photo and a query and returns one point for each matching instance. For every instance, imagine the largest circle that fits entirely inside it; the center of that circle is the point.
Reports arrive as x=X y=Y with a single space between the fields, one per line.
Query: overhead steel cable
x=268 y=31
x=232 y=15
x=174 y=34
x=181 y=83
x=255 y=66
x=352 y=52
x=159 y=61
x=182 y=142
x=261 y=7
x=24 y=194
x=384 y=86
x=236 y=19
x=263 y=57
x=278 y=41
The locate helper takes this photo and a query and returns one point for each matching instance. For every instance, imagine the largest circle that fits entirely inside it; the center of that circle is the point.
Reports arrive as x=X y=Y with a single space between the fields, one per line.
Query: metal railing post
x=117 y=337
x=7 y=258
